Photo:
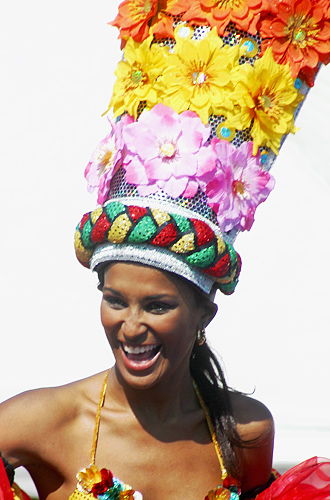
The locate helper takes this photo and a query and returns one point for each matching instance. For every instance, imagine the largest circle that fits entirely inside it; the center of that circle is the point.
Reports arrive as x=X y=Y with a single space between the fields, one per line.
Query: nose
x=132 y=327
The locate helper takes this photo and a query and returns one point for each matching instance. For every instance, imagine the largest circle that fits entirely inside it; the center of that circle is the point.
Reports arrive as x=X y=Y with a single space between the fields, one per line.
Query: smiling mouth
x=142 y=353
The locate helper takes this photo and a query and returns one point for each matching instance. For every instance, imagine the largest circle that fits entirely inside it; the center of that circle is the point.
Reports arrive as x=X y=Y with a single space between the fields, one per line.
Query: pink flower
x=168 y=151
x=239 y=185
x=106 y=160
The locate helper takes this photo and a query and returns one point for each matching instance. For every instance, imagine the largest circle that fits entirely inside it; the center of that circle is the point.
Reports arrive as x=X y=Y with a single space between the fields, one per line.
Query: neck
x=164 y=402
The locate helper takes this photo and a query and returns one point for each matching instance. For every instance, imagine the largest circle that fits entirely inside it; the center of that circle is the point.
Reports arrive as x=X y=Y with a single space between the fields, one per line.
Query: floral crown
x=205 y=95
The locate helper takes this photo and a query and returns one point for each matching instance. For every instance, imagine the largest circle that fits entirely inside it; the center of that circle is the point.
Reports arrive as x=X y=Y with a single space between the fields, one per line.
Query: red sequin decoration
x=83 y=221
x=166 y=236
x=136 y=212
x=221 y=268
x=204 y=233
x=100 y=228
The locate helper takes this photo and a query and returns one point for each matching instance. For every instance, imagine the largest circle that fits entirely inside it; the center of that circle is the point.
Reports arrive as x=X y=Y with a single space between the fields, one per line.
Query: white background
x=57 y=64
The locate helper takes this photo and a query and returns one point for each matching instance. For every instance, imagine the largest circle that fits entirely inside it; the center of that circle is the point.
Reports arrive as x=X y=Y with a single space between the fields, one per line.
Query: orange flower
x=244 y=13
x=136 y=16
x=299 y=33
x=133 y=19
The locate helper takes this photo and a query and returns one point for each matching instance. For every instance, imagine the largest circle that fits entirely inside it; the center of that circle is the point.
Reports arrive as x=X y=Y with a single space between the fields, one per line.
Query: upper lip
x=138 y=349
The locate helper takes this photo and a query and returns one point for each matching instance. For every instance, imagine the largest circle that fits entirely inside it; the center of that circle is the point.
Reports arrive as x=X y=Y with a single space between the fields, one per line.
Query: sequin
x=83 y=255
x=96 y=214
x=203 y=258
x=100 y=229
x=119 y=229
x=144 y=229
x=182 y=222
x=85 y=235
x=203 y=231
x=160 y=216
x=221 y=245
x=184 y=31
x=221 y=268
x=298 y=83
x=113 y=209
x=166 y=236
x=250 y=46
x=185 y=244
x=226 y=133
x=136 y=212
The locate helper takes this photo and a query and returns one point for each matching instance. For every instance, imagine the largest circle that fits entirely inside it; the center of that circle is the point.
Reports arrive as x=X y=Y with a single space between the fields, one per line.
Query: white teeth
x=139 y=350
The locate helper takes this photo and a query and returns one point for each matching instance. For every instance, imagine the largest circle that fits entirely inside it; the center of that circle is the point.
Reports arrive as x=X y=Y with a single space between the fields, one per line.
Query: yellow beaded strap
x=97 y=419
x=224 y=473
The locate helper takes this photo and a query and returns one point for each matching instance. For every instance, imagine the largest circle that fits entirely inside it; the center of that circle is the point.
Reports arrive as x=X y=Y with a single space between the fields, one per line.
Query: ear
x=209 y=310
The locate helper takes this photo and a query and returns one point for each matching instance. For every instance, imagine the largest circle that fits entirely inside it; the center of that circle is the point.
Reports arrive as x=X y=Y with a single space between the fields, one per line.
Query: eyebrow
x=148 y=297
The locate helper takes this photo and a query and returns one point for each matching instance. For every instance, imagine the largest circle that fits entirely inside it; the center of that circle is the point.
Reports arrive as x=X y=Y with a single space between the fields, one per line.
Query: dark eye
x=114 y=302
x=159 y=307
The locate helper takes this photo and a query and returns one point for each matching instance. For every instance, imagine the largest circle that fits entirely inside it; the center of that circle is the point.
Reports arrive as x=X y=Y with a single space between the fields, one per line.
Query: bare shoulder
x=253 y=418
x=27 y=419
x=255 y=426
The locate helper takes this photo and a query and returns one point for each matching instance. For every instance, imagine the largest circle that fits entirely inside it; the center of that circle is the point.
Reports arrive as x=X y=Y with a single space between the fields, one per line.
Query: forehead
x=127 y=275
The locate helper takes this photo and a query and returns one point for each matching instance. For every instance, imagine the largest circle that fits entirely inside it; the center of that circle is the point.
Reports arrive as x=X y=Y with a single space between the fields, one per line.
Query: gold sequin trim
x=119 y=229
x=185 y=244
x=96 y=214
x=160 y=216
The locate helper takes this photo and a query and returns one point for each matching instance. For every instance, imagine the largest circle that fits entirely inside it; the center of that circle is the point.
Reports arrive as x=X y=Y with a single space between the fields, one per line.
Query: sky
x=57 y=63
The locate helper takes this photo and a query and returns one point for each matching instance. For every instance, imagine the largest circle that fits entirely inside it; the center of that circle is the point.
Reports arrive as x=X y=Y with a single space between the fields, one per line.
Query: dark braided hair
x=212 y=386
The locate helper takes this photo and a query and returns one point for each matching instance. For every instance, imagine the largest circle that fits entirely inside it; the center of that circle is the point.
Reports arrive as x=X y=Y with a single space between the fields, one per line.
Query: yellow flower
x=266 y=95
x=197 y=76
x=136 y=76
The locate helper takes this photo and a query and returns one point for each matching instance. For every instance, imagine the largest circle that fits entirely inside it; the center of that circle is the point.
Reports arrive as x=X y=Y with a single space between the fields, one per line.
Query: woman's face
x=150 y=318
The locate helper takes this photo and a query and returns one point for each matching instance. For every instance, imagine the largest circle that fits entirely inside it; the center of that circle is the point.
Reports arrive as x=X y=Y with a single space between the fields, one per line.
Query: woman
x=153 y=433
x=151 y=410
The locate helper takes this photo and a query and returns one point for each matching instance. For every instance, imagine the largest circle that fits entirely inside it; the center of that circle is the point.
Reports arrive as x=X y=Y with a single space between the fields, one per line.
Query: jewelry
x=201 y=336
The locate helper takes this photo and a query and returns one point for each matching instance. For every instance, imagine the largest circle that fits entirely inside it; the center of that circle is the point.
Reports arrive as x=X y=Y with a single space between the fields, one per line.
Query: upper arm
x=25 y=420
x=255 y=426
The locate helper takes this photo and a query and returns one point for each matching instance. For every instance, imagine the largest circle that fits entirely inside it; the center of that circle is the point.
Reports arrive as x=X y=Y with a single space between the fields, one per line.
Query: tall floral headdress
x=206 y=93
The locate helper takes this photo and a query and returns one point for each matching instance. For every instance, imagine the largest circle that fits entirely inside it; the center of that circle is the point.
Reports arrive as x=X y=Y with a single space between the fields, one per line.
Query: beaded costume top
x=94 y=483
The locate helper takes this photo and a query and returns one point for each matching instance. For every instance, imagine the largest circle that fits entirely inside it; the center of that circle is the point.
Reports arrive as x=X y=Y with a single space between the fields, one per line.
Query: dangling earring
x=200 y=336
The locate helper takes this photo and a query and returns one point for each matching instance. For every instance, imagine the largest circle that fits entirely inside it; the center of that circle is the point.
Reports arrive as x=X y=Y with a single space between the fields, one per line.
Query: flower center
x=167 y=150
x=105 y=161
x=198 y=77
x=302 y=30
x=268 y=102
x=138 y=9
x=238 y=189
x=227 y=4
x=147 y=6
x=265 y=101
x=137 y=77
